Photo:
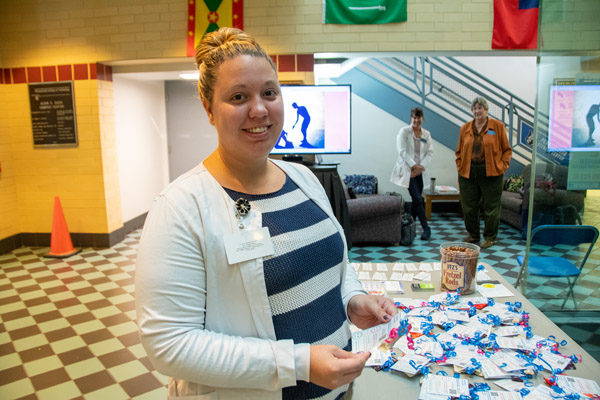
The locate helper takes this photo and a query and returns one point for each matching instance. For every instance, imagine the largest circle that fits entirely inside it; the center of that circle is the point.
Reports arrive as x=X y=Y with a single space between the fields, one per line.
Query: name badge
x=491 y=132
x=423 y=140
x=248 y=244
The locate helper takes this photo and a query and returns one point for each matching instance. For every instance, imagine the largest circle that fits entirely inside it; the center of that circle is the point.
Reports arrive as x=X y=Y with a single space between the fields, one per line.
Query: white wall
x=515 y=74
x=191 y=136
x=140 y=122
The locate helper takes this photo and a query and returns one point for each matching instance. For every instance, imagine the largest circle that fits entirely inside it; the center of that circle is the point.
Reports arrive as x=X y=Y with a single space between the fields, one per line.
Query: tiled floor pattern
x=67 y=327
x=587 y=334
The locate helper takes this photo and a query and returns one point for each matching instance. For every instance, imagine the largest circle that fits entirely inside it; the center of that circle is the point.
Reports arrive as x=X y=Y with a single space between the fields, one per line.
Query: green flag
x=364 y=11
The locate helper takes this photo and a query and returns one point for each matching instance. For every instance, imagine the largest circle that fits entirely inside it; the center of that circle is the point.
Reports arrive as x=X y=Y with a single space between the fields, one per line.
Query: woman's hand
x=332 y=367
x=416 y=170
x=367 y=311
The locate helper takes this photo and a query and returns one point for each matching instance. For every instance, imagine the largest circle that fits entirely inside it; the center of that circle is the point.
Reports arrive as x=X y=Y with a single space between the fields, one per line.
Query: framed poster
x=53 y=120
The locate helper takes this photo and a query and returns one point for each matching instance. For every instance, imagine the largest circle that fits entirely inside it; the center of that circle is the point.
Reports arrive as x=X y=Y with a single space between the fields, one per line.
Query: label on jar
x=453 y=276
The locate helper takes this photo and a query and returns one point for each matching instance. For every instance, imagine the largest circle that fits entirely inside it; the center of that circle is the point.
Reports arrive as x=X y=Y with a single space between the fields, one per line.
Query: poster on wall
x=526 y=136
x=53 y=120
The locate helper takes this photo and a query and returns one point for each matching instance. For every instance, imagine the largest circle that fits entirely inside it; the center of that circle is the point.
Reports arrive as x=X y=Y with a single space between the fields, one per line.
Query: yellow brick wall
x=432 y=25
x=110 y=167
x=9 y=215
x=37 y=175
x=40 y=32
x=34 y=32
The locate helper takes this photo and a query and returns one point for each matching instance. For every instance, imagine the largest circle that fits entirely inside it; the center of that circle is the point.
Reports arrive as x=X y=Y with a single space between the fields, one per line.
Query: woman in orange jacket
x=482 y=156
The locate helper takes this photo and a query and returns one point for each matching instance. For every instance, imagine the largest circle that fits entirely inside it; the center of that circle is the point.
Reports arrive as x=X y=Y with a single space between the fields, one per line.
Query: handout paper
x=508 y=361
x=393 y=287
x=425 y=267
x=556 y=361
x=510 y=385
x=381 y=267
x=444 y=385
x=398 y=267
x=377 y=358
x=367 y=339
x=410 y=267
x=403 y=364
x=364 y=275
x=374 y=288
x=407 y=276
x=379 y=276
x=578 y=385
x=494 y=290
x=423 y=276
x=457 y=315
x=492 y=371
x=396 y=276
x=508 y=330
x=497 y=395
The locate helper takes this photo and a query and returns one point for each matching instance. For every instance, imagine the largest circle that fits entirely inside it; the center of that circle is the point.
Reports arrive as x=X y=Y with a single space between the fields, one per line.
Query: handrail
x=481 y=77
x=447 y=86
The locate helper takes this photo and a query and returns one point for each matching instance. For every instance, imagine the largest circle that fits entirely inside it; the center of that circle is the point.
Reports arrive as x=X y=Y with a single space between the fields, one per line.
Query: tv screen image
x=316 y=120
x=574 y=118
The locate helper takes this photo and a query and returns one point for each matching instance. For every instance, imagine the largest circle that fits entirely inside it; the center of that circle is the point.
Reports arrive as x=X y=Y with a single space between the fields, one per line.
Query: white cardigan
x=405 y=146
x=202 y=321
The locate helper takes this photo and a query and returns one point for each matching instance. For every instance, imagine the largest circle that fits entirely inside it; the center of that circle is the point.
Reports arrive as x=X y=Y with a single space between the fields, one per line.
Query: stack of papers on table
x=446 y=189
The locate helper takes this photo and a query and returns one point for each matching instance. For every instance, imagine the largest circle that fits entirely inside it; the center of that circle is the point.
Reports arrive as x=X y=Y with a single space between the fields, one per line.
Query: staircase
x=444 y=88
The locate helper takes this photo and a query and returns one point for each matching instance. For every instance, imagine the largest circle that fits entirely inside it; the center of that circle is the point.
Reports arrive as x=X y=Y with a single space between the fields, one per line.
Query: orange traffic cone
x=60 y=242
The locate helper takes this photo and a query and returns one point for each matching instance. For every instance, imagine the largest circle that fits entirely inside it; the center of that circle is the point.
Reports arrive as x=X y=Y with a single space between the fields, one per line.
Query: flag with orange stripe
x=205 y=16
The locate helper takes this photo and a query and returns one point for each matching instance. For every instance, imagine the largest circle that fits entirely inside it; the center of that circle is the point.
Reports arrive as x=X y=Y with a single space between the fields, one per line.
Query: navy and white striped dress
x=303 y=277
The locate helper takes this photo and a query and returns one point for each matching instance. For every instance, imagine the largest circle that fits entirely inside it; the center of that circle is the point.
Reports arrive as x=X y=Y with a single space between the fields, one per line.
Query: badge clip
x=242 y=208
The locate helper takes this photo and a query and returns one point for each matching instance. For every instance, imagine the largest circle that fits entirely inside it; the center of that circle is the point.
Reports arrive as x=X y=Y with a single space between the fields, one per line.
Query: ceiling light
x=189 y=75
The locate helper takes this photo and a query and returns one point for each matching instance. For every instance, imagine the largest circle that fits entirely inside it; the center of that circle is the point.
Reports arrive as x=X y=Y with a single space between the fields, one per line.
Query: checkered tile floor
x=67 y=327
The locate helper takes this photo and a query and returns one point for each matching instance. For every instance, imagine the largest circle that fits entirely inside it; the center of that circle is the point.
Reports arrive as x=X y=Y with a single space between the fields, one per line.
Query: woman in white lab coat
x=415 y=151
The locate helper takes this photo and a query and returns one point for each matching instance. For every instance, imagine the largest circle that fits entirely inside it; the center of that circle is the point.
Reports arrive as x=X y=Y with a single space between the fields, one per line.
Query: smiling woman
x=243 y=288
x=247 y=110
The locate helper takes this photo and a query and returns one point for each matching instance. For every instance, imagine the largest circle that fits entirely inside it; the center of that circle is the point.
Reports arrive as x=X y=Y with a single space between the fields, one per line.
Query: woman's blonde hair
x=219 y=46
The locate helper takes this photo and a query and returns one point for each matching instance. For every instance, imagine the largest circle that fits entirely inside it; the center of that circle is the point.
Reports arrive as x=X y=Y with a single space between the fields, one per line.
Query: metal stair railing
x=514 y=111
x=448 y=86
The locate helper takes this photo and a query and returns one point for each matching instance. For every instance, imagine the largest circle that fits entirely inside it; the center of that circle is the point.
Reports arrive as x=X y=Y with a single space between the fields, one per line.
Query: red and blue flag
x=515 y=24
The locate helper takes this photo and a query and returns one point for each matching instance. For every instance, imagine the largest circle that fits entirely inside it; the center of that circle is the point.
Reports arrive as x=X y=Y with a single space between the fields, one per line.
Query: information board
x=53 y=118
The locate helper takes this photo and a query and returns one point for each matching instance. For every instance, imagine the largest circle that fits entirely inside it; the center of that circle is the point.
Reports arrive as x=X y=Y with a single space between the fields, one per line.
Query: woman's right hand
x=332 y=367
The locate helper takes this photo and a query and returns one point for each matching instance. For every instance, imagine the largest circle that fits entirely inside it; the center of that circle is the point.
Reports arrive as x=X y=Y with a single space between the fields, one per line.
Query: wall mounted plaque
x=53 y=119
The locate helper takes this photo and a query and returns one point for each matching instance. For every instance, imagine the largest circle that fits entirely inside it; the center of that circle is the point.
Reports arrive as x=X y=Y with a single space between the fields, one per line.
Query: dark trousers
x=481 y=191
x=415 y=189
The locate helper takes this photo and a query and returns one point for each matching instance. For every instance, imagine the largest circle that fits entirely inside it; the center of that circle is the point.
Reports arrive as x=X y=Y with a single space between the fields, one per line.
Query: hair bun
x=219 y=46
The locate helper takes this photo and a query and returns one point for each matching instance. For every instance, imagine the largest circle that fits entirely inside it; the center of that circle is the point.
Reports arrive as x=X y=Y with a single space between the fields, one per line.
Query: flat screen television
x=574 y=118
x=316 y=121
